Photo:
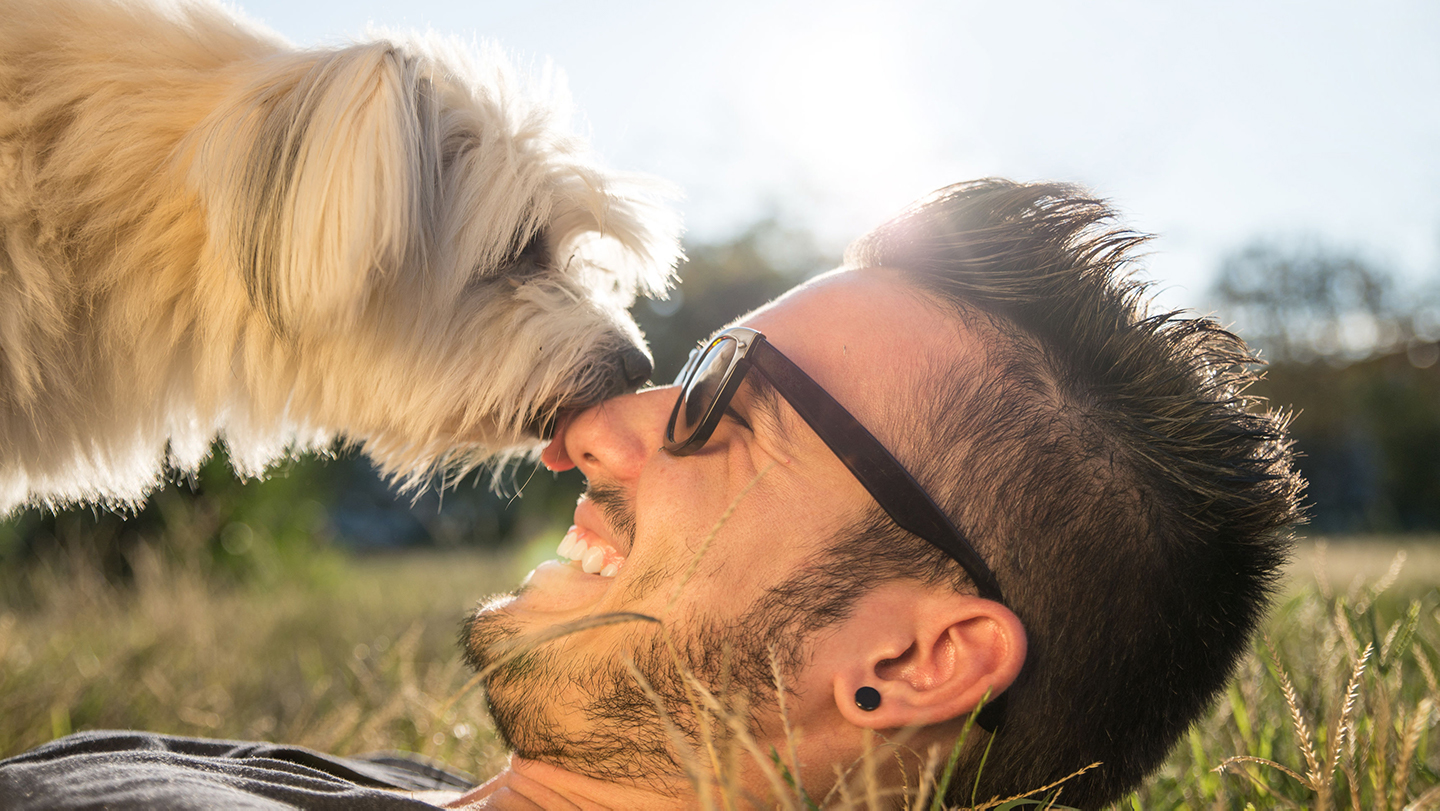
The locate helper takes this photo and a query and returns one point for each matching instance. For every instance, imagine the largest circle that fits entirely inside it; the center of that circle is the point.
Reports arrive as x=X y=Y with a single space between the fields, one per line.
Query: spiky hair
x=1132 y=499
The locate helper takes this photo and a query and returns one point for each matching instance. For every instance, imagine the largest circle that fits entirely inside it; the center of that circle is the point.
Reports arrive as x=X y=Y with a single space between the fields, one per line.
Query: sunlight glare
x=837 y=105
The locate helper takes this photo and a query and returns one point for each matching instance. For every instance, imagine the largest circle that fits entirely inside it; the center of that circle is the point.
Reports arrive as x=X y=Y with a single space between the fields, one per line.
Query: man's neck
x=530 y=784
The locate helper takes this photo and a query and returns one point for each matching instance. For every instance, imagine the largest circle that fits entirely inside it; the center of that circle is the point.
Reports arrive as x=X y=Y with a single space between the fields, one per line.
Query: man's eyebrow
x=766 y=400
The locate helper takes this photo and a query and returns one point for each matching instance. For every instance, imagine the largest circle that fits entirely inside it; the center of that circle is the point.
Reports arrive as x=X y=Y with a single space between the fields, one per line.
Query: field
x=1337 y=708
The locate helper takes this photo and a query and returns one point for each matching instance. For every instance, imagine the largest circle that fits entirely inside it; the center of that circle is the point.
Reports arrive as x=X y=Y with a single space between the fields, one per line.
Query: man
x=1122 y=505
x=961 y=490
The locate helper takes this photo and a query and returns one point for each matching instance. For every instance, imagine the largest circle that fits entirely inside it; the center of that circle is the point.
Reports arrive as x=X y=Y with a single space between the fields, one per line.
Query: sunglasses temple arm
x=894 y=489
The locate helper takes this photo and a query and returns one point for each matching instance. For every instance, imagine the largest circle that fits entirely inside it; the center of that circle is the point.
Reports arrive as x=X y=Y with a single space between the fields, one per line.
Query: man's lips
x=590 y=519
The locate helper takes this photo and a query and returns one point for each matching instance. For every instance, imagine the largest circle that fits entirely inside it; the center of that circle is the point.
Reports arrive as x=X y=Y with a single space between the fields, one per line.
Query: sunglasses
x=713 y=375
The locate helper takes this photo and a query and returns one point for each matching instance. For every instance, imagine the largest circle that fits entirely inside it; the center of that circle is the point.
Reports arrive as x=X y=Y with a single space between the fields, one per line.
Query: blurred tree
x=225 y=526
x=1356 y=358
x=723 y=281
x=1368 y=434
x=1304 y=302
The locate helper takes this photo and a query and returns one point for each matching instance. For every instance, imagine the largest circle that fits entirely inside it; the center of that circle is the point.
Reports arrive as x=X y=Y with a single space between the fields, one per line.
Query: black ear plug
x=867 y=698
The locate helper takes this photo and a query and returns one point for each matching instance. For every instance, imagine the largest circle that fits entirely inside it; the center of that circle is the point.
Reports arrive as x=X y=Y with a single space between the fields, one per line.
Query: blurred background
x=1287 y=155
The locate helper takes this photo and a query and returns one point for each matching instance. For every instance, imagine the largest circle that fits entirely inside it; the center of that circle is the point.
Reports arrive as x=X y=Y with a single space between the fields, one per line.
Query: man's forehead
x=849 y=319
x=868 y=337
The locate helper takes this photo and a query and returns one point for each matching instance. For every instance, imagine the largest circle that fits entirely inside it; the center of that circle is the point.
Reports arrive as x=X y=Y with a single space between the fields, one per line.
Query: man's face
x=701 y=542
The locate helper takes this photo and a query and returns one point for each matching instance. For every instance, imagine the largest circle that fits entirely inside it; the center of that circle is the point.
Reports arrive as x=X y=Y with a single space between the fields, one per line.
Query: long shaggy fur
x=205 y=231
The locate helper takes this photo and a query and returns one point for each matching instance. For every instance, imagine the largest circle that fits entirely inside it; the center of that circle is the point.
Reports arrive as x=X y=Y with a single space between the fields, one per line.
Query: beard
x=622 y=734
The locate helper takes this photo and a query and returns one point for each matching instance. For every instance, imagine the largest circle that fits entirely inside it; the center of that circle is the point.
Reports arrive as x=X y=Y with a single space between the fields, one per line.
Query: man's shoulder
x=128 y=769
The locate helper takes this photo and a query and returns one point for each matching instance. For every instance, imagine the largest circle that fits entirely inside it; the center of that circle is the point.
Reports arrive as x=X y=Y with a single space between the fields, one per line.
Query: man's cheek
x=645 y=579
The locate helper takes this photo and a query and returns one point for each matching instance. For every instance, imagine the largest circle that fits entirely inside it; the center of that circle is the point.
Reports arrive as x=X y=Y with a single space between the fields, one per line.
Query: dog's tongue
x=554 y=457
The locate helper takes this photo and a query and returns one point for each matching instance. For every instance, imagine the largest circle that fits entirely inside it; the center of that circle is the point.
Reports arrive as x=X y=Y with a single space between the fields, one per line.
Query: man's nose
x=612 y=440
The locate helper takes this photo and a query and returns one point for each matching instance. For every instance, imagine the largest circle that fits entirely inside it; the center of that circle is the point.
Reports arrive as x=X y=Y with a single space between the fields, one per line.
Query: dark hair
x=1133 y=501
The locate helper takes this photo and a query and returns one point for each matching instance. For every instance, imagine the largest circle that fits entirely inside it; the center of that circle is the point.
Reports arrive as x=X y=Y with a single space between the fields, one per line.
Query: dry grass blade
x=942 y=786
x=1381 y=709
x=927 y=778
x=1402 y=635
x=1428 y=671
x=790 y=734
x=868 y=760
x=689 y=762
x=1058 y=784
x=1232 y=764
x=1392 y=574
x=844 y=778
x=739 y=727
x=841 y=789
x=1430 y=799
x=898 y=746
x=702 y=718
x=1408 y=744
x=526 y=644
x=1345 y=722
x=704 y=724
x=1354 y=784
x=1297 y=719
x=1341 y=621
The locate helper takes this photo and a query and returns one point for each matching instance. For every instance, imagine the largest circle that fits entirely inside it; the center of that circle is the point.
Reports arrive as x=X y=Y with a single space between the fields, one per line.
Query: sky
x=1211 y=125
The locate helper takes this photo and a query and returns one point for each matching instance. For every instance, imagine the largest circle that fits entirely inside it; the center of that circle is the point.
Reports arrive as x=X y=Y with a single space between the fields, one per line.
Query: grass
x=1336 y=708
x=347 y=656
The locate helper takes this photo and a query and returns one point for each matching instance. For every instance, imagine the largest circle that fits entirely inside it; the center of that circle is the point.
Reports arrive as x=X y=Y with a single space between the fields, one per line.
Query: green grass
x=351 y=655
x=345 y=656
x=1337 y=706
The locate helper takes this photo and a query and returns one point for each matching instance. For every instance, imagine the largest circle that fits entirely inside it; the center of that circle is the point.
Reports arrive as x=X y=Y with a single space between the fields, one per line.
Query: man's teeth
x=568 y=543
x=591 y=558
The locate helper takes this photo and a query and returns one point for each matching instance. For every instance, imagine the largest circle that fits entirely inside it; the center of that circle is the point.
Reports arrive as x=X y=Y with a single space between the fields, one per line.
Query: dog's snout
x=637 y=366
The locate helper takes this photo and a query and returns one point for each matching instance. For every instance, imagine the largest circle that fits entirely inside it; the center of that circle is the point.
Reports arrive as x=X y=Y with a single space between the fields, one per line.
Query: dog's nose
x=637 y=366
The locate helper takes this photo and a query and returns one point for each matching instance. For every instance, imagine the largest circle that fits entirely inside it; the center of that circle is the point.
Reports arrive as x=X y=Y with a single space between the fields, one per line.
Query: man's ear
x=932 y=655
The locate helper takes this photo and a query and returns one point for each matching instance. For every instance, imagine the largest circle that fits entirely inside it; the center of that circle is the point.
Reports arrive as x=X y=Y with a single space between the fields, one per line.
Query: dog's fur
x=205 y=231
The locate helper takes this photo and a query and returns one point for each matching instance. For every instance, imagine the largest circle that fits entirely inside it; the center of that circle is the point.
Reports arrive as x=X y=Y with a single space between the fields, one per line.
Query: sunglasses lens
x=706 y=379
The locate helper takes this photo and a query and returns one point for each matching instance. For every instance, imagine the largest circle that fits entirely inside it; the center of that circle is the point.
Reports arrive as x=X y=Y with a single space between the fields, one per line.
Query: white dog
x=205 y=231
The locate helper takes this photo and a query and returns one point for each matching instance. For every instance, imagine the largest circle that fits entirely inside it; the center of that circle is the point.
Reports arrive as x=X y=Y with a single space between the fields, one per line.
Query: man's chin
x=485 y=639
x=486 y=631
x=621 y=736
